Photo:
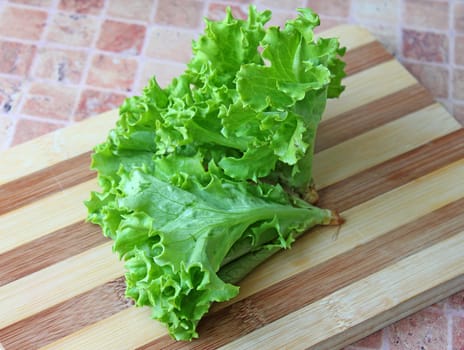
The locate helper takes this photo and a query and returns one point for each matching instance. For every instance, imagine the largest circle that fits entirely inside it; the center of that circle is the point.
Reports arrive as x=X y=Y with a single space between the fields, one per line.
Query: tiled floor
x=65 y=60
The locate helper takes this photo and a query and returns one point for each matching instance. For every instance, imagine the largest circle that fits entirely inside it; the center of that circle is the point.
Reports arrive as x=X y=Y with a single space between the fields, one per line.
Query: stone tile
x=425 y=46
x=16 y=58
x=89 y=7
x=112 y=72
x=456 y=301
x=6 y=127
x=280 y=4
x=426 y=14
x=93 y=102
x=22 y=23
x=138 y=10
x=10 y=94
x=458 y=84
x=459 y=50
x=73 y=29
x=170 y=44
x=459 y=17
x=40 y=3
x=458 y=333
x=422 y=330
x=339 y=8
x=60 y=65
x=373 y=341
x=458 y=113
x=164 y=73
x=434 y=78
x=376 y=10
x=27 y=130
x=185 y=14
x=121 y=37
x=217 y=11
x=50 y=101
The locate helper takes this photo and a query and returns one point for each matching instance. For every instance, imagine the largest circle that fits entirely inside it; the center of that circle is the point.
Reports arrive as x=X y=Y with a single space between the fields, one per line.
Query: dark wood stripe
x=41 y=183
x=300 y=290
x=48 y=250
x=67 y=317
x=393 y=173
x=372 y=115
x=365 y=56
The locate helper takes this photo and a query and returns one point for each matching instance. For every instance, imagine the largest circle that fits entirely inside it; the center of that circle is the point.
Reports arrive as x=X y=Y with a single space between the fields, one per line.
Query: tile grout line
x=141 y=57
x=449 y=334
x=40 y=119
x=451 y=36
x=90 y=55
x=385 y=336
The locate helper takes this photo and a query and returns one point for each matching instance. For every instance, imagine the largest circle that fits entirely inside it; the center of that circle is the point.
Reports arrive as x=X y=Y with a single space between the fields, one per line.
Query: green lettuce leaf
x=203 y=180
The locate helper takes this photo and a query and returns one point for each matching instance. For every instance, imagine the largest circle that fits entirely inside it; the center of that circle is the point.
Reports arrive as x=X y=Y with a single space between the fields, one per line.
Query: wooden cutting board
x=388 y=158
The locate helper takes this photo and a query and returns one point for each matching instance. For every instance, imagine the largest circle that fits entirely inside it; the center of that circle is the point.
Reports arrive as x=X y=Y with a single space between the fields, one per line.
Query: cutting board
x=389 y=159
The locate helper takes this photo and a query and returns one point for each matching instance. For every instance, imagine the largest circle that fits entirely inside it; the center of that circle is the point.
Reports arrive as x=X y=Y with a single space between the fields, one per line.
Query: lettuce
x=205 y=179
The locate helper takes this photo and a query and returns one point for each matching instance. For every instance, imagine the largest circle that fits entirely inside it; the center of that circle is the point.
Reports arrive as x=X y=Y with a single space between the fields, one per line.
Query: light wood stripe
x=37 y=185
x=350 y=157
x=366 y=299
x=395 y=172
x=57 y=283
x=96 y=304
x=28 y=223
x=55 y=147
x=123 y=334
x=372 y=115
x=48 y=250
x=318 y=247
x=368 y=86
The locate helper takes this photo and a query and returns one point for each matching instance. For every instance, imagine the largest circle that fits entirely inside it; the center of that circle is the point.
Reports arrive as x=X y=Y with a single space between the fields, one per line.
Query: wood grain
x=41 y=328
x=365 y=56
x=372 y=207
x=55 y=147
x=64 y=280
x=39 y=184
x=29 y=222
x=429 y=123
x=48 y=250
x=370 y=85
x=393 y=173
x=366 y=300
x=416 y=199
x=388 y=158
x=371 y=115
